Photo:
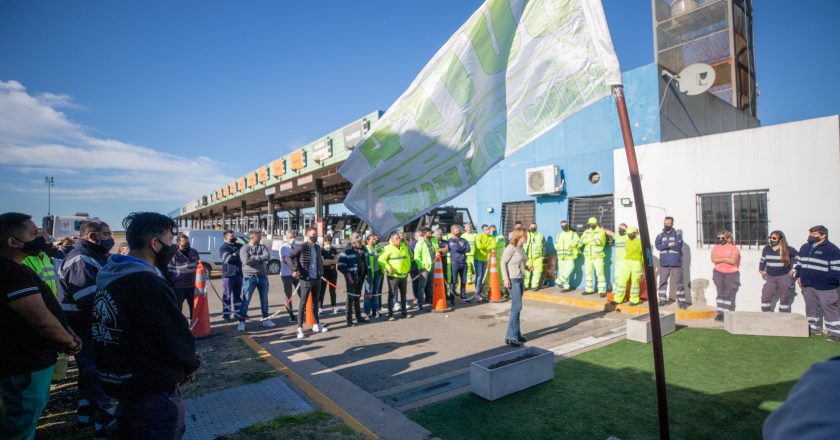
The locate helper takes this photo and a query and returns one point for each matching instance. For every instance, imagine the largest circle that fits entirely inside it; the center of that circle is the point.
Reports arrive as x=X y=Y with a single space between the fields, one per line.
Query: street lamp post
x=50 y=181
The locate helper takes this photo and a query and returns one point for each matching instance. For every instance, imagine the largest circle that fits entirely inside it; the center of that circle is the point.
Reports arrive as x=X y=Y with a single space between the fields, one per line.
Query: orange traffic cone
x=495 y=288
x=201 y=312
x=439 y=293
x=310 y=317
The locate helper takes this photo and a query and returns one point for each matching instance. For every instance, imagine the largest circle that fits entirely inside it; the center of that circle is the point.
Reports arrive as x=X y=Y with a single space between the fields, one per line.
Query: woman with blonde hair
x=776 y=267
x=513 y=269
x=727 y=277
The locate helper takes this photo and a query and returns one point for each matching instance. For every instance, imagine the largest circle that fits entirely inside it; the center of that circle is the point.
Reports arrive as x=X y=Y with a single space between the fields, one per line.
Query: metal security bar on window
x=742 y=213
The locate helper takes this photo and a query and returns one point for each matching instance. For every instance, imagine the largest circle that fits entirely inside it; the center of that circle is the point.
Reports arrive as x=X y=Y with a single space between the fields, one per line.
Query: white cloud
x=34 y=135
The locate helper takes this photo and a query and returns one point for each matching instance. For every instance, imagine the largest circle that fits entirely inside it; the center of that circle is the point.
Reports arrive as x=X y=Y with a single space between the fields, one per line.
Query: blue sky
x=146 y=105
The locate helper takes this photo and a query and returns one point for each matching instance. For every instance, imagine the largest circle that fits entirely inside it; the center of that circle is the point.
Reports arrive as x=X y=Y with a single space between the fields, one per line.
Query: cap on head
x=632 y=230
x=592 y=221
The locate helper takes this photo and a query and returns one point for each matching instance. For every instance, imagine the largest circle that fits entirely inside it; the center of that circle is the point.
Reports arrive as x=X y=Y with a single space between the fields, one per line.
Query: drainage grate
x=403 y=398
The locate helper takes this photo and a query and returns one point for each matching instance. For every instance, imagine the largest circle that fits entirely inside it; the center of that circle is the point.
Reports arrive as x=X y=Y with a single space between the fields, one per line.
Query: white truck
x=61 y=226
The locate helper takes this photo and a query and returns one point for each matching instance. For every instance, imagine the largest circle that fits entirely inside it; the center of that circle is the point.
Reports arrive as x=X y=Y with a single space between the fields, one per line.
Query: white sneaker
x=241 y=326
x=300 y=333
x=319 y=328
x=397 y=307
x=268 y=323
x=335 y=311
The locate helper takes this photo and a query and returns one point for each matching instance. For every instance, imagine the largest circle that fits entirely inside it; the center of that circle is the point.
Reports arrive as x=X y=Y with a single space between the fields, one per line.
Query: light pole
x=50 y=181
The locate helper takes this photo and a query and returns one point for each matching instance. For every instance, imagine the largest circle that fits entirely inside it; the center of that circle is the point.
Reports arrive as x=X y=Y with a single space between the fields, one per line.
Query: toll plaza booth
x=291 y=192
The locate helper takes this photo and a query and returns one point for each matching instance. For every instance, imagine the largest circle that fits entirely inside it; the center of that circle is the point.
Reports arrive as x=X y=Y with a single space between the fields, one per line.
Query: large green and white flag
x=513 y=71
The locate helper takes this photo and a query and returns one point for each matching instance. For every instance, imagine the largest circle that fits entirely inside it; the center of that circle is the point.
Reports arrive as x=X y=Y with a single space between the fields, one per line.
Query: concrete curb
x=359 y=409
x=602 y=304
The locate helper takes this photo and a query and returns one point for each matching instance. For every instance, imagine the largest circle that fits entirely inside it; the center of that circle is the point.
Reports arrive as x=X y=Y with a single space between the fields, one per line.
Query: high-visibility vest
x=620 y=243
x=43 y=267
x=470 y=237
x=593 y=241
x=567 y=245
x=397 y=259
x=634 y=250
x=534 y=245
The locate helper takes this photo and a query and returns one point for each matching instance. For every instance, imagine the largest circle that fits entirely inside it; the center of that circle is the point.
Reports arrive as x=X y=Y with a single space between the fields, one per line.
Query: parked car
x=207 y=243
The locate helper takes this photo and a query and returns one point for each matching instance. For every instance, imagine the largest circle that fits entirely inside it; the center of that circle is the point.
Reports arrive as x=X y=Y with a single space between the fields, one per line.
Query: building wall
x=798 y=163
x=581 y=144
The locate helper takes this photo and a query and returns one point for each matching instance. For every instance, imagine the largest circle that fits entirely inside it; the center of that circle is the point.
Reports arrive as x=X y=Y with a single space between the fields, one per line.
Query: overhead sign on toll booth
x=262 y=174
x=278 y=167
x=232 y=188
x=353 y=134
x=297 y=160
x=240 y=184
x=322 y=150
x=270 y=191
x=252 y=179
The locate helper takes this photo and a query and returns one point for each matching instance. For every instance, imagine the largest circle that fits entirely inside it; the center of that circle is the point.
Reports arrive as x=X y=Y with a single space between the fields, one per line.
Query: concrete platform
x=766 y=324
x=639 y=328
x=576 y=298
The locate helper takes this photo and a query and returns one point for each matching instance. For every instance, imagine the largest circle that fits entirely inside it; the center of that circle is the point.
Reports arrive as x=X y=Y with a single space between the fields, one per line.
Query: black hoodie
x=142 y=343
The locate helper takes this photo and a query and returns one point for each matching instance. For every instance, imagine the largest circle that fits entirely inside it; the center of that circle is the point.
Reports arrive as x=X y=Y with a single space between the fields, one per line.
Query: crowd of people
x=77 y=298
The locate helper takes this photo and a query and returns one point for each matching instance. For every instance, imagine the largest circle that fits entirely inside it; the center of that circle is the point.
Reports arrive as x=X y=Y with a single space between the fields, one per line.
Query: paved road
x=383 y=355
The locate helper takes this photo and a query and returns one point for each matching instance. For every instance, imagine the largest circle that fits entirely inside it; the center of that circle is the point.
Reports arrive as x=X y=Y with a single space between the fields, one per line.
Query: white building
x=781 y=177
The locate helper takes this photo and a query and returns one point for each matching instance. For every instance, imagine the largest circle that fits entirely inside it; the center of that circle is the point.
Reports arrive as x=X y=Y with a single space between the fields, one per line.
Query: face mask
x=667 y=228
x=631 y=236
x=185 y=248
x=34 y=247
x=327 y=245
x=313 y=238
x=593 y=226
x=811 y=239
x=565 y=227
x=622 y=231
x=165 y=254
x=721 y=241
x=107 y=244
x=774 y=243
x=533 y=229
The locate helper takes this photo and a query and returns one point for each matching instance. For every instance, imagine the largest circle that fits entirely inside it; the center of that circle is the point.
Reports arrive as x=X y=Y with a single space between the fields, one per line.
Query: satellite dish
x=696 y=79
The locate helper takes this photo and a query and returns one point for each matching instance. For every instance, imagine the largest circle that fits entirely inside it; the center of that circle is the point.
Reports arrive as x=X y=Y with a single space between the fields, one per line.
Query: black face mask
x=313 y=238
x=622 y=231
x=185 y=248
x=721 y=241
x=667 y=228
x=813 y=240
x=565 y=227
x=631 y=236
x=107 y=244
x=35 y=246
x=165 y=254
x=593 y=226
x=533 y=229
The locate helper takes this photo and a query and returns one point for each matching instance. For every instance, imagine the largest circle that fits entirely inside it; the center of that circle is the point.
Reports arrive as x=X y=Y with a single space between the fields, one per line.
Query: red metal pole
x=644 y=235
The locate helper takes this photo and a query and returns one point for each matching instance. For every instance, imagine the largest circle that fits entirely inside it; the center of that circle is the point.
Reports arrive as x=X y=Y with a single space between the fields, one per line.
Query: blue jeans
x=254 y=282
x=159 y=416
x=423 y=280
x=458 y=271
x=516 y=287
x=24 y=398
x=373 y=293
x=480 y=269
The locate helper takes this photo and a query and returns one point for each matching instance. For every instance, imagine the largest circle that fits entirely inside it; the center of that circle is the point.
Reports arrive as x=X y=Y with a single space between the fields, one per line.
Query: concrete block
x=498 y=376
x=766 y=324
x=639 y=328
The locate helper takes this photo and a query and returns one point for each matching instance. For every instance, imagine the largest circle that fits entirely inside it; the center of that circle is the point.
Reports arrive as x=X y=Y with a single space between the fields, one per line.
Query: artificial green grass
x=315 y=425
x=719 y=386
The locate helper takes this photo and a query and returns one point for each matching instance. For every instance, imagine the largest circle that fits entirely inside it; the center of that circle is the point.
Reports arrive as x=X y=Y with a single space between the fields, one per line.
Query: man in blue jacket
x=458 y=249
x=231 y=274
x=76 y=285
x=818 y=270
x=669 y=243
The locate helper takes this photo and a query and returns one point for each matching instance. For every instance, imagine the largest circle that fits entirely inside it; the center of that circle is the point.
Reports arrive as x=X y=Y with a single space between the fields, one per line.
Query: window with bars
x=742 y=213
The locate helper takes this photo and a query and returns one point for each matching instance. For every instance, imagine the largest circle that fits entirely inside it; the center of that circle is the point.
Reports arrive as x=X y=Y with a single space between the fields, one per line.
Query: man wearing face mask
x=458 y=248
x=307 y=265
x=142 y=343
x=231 y=275
x=42 y=264
x=32 y=327
x=330 y=255
x=535 y=251
x=77 y=285
x=593 y=240
x=254 y=257
x=669 y=242
x=631 y=267
x=567 y=245
x=619 y=254
x=182 y=272
x=818 y=270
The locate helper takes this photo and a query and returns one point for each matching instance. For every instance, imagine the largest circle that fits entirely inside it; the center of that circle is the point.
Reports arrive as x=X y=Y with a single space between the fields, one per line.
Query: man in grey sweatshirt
x=254 y=257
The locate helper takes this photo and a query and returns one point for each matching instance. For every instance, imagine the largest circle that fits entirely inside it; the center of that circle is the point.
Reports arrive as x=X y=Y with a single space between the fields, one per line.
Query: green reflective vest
x=593 y=241
x=43 y=267
x=534 y=245
x=373 y=258
x=633 y=250
x=423 y=256
x=567 y=245
x=484 y=244
x=620 y=243
x=396 y=260
x=471 y=237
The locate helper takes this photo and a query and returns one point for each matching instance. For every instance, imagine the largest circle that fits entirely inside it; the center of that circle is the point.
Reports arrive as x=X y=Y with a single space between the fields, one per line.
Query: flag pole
x=644 y=235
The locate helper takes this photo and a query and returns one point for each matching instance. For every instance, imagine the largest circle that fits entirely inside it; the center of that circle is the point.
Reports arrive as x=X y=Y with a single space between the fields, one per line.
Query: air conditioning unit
x=543 y=180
